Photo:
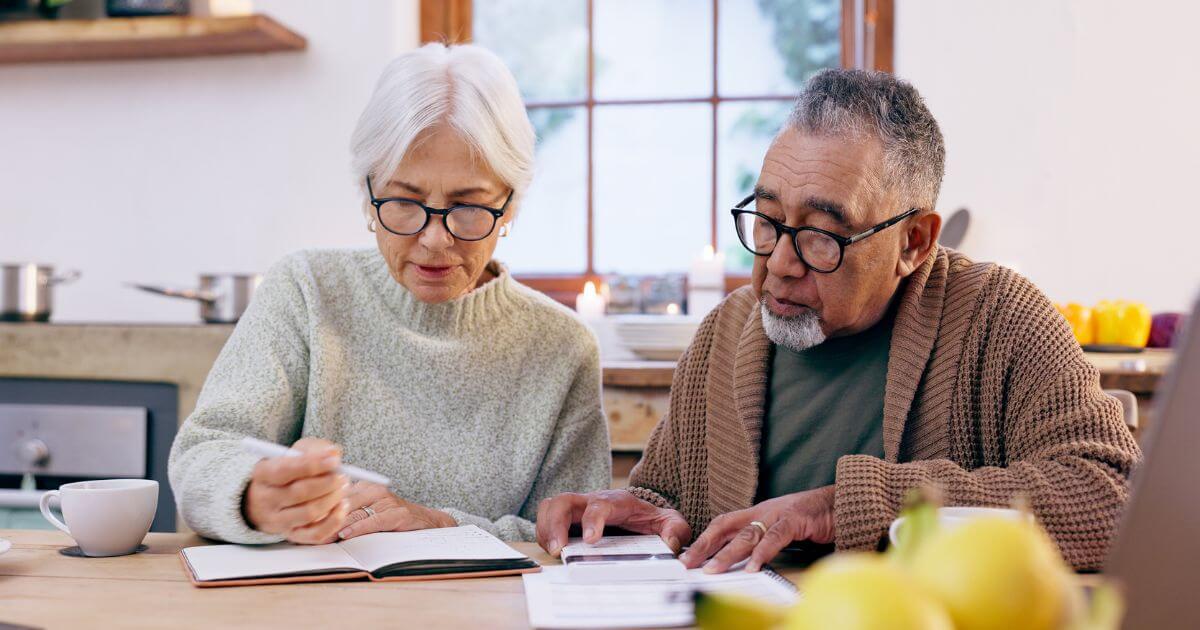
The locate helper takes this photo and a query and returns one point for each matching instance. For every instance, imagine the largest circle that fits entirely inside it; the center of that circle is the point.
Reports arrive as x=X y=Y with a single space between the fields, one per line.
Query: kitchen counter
x=636 y=393
x=1115 y=371
x=177 y=354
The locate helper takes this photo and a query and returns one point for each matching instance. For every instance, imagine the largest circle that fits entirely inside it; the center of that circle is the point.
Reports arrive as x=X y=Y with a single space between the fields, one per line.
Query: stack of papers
x=630 y=585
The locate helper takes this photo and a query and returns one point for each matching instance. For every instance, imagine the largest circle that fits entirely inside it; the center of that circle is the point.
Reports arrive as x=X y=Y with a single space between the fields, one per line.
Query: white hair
x=467 y=87
x=797 y=333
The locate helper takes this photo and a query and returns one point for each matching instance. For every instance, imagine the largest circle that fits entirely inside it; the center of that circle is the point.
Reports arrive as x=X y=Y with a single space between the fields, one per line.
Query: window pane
x=544 y=43
x=550 y=234
x=770 y=47
x=652 y=187
x=746 y=130
x=653 y=48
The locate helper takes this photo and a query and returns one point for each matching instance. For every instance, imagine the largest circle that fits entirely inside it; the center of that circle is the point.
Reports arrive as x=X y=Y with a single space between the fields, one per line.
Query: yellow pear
x=864 y=592
x=729 y=611
x=997 y=574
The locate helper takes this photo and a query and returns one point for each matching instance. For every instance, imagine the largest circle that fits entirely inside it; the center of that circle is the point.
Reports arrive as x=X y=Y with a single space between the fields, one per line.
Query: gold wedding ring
x=761 y=527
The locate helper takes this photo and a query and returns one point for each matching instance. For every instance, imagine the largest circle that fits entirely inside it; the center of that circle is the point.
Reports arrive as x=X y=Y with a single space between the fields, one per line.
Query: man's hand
x=732 y=537
x=391 y=513
x=594 y=510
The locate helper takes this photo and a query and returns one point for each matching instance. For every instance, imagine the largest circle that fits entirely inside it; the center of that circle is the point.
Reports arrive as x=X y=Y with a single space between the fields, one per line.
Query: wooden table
x=40 y=587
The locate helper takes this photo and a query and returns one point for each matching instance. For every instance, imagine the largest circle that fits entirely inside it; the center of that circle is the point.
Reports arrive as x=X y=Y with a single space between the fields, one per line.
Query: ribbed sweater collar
x=495 y=300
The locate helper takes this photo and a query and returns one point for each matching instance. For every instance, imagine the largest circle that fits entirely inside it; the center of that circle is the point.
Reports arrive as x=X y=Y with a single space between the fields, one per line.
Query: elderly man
x=863 y=361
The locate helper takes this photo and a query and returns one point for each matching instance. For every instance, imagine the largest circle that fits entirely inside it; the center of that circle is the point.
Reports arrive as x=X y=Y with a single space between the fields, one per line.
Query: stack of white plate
x=656 y=337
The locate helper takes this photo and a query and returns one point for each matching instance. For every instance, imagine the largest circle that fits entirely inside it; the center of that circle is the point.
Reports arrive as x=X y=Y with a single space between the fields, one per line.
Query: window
x=652 y=116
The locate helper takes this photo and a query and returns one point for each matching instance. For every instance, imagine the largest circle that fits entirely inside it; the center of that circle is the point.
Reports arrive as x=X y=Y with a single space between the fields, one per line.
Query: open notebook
x=429 y=554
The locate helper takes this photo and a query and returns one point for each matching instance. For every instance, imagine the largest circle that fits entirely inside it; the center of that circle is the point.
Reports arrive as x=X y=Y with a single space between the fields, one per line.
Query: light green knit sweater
x=480 y=407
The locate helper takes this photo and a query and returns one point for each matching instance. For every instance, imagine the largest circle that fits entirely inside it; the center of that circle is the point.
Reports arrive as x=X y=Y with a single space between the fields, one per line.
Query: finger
x=718 y=533
x=397 y=519
x=323 y=531
x=316 y=445
x=353 y=516
x=280 y=471
x=597 y=512
x=554 y=519
x=773 y=542
x=310 y=511
x=309 y=488
x=735 y=550
x=675 y=531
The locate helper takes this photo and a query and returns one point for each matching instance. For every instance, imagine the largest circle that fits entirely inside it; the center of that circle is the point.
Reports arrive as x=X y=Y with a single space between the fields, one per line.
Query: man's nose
x=783 y=261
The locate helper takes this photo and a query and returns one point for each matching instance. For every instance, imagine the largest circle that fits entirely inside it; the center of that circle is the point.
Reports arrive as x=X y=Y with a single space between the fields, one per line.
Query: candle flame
x=589 y=288
x=672 y=309
x=708 y=252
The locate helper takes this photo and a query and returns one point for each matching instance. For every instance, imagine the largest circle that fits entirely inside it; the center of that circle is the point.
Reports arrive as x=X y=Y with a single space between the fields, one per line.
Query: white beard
x=796 y=333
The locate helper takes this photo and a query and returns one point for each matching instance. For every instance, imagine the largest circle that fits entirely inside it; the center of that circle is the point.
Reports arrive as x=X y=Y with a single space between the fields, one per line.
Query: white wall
x=156 y=171
x=1072 y=134
x=1070 y=125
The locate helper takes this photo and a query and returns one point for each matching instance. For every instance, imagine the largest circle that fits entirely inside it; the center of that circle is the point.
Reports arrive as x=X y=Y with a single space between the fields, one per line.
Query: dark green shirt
x=823 y=403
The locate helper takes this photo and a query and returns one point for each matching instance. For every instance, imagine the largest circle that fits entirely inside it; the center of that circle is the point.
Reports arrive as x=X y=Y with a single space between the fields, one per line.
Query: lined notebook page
x=467 y=542
x=228 y=562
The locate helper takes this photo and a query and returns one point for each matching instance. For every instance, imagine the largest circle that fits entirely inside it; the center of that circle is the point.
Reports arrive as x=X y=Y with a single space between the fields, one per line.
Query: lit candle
x=672 y=309
x=706 y=281
x=589 y=304
x=707 y=271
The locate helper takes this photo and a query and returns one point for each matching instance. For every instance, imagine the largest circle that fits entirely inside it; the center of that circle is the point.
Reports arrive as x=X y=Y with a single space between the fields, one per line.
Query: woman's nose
x=435 y=236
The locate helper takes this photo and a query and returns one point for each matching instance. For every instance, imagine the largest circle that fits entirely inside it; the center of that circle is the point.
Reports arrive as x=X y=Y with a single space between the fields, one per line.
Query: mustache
x=767 y=292
x=809 y=313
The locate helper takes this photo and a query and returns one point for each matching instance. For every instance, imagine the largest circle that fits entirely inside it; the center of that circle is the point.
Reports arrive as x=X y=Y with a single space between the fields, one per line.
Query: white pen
x=270 y=449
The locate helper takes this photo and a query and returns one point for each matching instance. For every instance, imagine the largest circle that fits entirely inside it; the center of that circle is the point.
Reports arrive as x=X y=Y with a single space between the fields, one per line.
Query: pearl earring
x=503 y=230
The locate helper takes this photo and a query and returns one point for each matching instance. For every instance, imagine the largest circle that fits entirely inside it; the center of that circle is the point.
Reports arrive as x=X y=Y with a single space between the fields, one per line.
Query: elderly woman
x=422 y=360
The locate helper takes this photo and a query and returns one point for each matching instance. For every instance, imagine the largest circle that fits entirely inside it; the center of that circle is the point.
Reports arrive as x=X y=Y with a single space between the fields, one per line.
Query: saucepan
x=27 y=291
x=223 y=297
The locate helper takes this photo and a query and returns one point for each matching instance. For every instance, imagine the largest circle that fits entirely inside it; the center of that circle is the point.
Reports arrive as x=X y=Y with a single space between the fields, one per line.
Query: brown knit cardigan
x=988 y=396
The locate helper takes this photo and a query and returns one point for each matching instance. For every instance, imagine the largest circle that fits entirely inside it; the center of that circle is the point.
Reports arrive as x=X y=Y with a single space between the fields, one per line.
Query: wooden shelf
x=143 y=38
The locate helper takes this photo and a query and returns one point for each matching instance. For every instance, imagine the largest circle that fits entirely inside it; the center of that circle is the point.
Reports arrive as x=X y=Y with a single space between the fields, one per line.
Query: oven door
x=123 y=431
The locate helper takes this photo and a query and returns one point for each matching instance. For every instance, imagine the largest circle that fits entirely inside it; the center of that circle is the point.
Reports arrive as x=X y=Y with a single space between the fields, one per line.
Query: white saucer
x=4 y=545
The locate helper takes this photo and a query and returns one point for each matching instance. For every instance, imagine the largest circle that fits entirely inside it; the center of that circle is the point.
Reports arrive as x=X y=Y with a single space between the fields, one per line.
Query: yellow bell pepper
x=1121 y=323
x=1080 y=319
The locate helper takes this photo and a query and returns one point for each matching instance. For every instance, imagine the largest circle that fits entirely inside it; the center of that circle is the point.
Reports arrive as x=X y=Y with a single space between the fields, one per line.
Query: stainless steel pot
x=223 y=297
x=26 y=291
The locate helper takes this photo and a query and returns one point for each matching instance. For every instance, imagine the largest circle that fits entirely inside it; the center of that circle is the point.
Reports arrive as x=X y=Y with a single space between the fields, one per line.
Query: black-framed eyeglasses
x=466 y=222
x=821 y=250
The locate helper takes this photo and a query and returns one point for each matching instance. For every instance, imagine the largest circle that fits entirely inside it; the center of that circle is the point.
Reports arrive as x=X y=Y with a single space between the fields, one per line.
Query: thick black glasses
x=820 y=250
x=466 y=222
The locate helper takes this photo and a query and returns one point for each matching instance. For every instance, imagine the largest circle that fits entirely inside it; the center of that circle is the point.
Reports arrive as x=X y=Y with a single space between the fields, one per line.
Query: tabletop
x=42 y=588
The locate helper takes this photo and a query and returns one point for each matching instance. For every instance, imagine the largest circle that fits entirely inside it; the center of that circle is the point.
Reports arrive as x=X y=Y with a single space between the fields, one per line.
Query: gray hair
x=466 y=87
x=797 y=333
x=876 y=104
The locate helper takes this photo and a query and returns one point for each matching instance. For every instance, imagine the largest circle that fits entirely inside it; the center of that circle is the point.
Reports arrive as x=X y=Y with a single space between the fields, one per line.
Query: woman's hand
x=389 y=513
x=302 y=498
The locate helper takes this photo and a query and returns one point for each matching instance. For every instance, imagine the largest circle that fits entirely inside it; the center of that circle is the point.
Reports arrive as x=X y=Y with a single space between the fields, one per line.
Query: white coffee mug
x=109 y=517
x=951 y=517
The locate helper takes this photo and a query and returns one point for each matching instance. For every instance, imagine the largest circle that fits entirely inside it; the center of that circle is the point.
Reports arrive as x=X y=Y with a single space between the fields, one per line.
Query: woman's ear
x=920 y=235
